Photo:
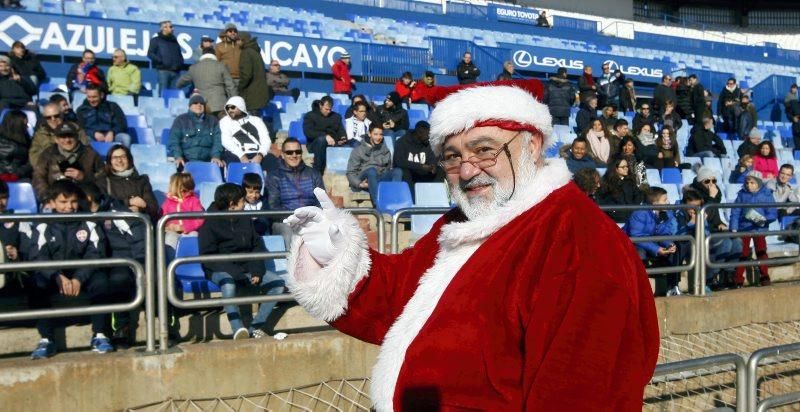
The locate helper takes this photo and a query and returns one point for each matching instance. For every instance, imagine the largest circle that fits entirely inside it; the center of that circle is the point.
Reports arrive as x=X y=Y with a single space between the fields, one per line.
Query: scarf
x=589 y=79
x=599 y=145
x=124 y=173
x=72 y=156
x=647 y=139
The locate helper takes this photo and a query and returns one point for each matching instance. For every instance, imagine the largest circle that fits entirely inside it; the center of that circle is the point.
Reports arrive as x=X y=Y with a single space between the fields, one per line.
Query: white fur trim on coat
x=457 y=241
x=460 y=111
x=323 y=292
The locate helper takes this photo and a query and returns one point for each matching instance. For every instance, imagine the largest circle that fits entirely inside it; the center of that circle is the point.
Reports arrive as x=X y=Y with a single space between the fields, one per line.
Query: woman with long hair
x=637 y=167
x=765 y=160
x=599 y=142
x=618 y=187
x=669 y=154
x=14 y=145
x=120 y=180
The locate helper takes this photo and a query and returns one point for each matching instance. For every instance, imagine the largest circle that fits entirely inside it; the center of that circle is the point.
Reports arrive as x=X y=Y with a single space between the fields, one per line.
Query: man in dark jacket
x=323 y=127
x=252 y=76
x=662 y=93
x=586 y=114
x=27 y=63
x=392 y=116
x=16 y=91
x=729 y=96
x=466 y=71
x=195 y=136
x=704 y=142
x=576 y=155
x=750 y=145
x=644 y=116
x=165 y=53
x=103 y=121
x=697 y=99
x=508 y=71
x=66 y=159
x=559 y=96
x=414 y=156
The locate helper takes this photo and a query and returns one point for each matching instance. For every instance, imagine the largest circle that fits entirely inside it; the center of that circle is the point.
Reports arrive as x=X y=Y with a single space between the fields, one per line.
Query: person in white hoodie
x=245 y=138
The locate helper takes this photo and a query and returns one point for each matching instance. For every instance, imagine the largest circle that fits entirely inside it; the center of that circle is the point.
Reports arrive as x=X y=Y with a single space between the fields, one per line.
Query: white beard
x=480 y=206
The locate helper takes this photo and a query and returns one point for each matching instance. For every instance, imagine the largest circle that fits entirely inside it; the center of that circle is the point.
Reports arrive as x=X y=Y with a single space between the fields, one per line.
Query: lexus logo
x=522 y=58
x=612 y=65
x=32 y=33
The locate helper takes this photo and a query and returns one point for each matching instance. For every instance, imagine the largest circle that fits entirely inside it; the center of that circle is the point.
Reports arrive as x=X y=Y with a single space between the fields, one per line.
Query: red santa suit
x=541 y=305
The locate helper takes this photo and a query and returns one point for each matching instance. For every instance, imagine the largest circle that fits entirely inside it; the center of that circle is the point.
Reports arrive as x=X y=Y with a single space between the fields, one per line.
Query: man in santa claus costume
x=524 y=297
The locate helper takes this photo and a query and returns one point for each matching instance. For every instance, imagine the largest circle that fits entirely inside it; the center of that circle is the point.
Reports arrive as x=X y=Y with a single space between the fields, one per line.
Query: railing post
x=150 y=287
x=700 y=268
x=161 y=263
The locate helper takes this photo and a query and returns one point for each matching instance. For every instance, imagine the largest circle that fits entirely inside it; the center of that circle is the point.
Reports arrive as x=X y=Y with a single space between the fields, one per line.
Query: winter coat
x=714 y=218
x=229 y=53
x=212 y=79
x=125 y=238
x=122 y=189
x=403 y=90
x=341 y=78
x=231 y=235
x=585 y=89
x=397 y=114
x=94 y=75
x=48 y=169
x=746 y=118
x=107 y=116
x=316 y=126
x=704 y=140
x=124 y=80
x=279 y=82
x=627 y=193
x=747 y=148
x=467 y=72
x=684 y=101
x=573 y=164
x=410 y=155
x=669 y=156
x=15 y=94
x=660 y=96
x=367 y=156
x=505 y=75
x=640 y=120
x=672 y=120
x=725 y=94
x=45 y=137
x=28 y=65
x=194 y=137
x=559 y=96
x=66 y=241
x=739 y=176
x=190 y=203
x=643 y=223
x=627 y=100
x=767 y=166
x=697 y=99
x=739 y=219
x=14 y=157
x=292 y=188
x=252 y=76
x=245 y=136
x=585 y=117
x=165 y=53
x=784 y=193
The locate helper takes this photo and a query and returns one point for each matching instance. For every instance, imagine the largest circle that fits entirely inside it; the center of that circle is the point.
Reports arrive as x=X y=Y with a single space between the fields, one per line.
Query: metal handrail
x=752 y=369
x=148 y=276
x=138 y=271
x=166 y=293
x=671 y=238
x=411 y=211
x=707 y=362
x=778 y=400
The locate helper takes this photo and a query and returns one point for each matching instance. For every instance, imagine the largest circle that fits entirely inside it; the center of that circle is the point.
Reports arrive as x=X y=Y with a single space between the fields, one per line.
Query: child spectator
x=765 y=161
x=254 y=201
x=742 y=169
x=237 y=235
x=753 y=219
x=656 y=223
x=180 y=198
x=588 y=180
x=67 y=241
x=371 y=163
x=669 y=154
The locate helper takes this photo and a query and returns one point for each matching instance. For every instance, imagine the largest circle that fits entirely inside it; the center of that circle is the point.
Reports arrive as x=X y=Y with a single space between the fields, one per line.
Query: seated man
x=323 y=128
x=195 y=135
x=103 y=121
x=704 y=142
x=782 y=189
x=576 y=155
x=245 y=138
x=45 y=134
x=750 y=145
x=68 y=158
x=292 y=185
x=85 y=73
x=393 y=116
x=357 y=125
x=67 y=241
x=278 y=81
x=16 y=91
x=371 y=163
x=414 y=157
x=66 y=108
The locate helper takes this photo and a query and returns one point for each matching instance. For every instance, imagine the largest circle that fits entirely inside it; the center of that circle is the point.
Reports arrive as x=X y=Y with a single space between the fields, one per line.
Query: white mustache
x=479 y=180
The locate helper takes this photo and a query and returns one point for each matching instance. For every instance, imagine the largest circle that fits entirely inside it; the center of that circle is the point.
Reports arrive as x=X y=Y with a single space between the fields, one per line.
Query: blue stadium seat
x=393 y=196
x=148 y=153
x=168 y=94
x=296 y=131
x=422 y=224
x=191 y=276
x=21 y=198
x=431 y=195
x=206 y=193
x=671 y=175
x=204 y=172
x=415 y=116
x=275 y=244
x=102 y=148
x=786 y=221
x=653 y=177
x=336 y=159
x=236 y=171
x=136 y=120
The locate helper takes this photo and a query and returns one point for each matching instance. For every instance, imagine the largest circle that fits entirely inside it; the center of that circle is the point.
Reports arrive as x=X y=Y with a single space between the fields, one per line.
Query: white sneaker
x=258 y=334
x=242 y=333
x=674 y=292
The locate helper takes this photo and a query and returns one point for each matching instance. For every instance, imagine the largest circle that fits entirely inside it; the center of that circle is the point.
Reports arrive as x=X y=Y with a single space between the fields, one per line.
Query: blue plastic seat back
x=236 y=172
x=191 y=276
x=393 y=196
x=336 y=159
x=275 y=244
x=204 y=172
x=148 y=153
x=431 y=195
x=102 y=148
x=22 y=198
x=671 y=175
x=296 y=131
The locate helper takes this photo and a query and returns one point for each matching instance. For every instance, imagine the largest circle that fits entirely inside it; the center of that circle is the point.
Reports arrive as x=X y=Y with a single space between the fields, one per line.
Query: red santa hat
x=508 y=104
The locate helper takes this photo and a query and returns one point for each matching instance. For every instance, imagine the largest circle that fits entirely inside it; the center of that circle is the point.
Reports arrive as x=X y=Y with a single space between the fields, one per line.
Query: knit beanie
x=757 y=177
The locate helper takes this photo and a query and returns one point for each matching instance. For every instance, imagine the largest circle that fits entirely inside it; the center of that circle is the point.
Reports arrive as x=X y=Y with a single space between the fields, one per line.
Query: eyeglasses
x=623 y=167
x=485 y=158
x=293 y=152
x=731 y=83
x=360 y=111
x=707 y=181
x=645 y=108
x=53 y=117
x=202 y=104
x=119 y=157
x=230 y=107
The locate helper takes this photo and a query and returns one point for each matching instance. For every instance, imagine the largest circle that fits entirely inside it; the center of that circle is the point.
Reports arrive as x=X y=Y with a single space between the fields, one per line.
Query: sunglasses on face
x=53 y=117
x=707 y=181
x=293 y=152
x=230 y=107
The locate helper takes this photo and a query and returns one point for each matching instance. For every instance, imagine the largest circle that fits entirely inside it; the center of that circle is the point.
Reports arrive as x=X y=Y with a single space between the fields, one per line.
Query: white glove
x=314 y=226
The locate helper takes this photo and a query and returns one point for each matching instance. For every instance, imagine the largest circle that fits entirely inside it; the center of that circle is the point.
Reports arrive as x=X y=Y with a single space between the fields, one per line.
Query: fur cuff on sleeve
x=324 y=292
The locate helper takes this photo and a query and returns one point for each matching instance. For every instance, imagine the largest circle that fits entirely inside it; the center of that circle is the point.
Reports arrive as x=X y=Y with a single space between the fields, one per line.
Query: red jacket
x=404 y=91
x=420 y=92
x=341 y=78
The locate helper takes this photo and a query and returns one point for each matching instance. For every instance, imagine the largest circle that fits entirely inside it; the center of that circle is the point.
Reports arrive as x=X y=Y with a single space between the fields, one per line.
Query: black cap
x=66 y=129
x=562 y=71
x=429 y=73
x=206 y=38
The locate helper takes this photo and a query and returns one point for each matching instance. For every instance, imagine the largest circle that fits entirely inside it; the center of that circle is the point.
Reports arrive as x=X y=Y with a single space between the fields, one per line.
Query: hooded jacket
x=291 y=188
x=363 y=157
x=244 y=136
x=229 y=53
x=559 y=96
x=252 y=76
x=396 y=113
x=165 y=53
x=231 y=235
x=410 y=155
x=194 y=137
x=739 y=219
x=643 y=223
